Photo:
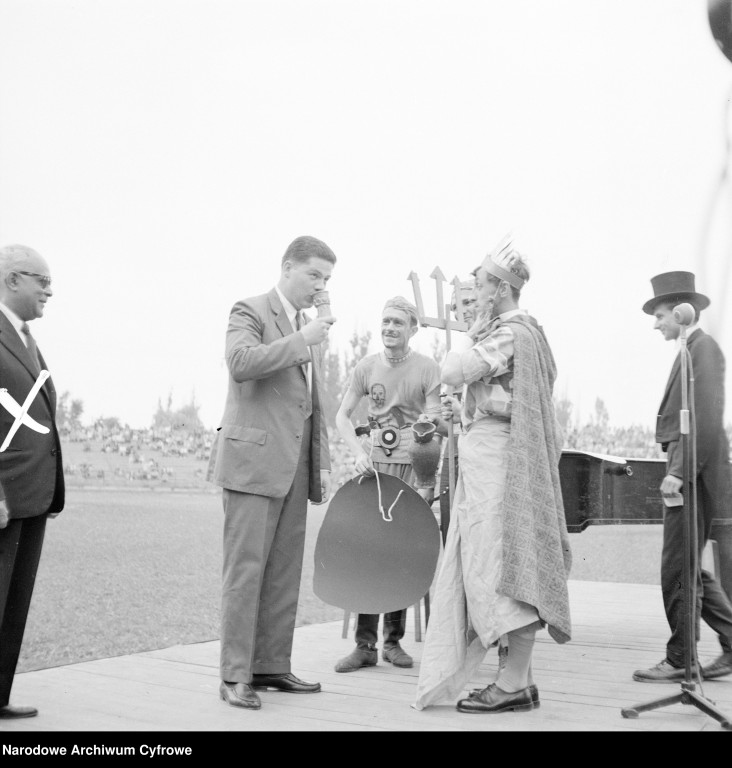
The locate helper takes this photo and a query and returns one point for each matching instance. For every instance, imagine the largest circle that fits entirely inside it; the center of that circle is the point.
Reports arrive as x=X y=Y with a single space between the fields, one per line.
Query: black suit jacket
x=31 y=467
x=712 y=446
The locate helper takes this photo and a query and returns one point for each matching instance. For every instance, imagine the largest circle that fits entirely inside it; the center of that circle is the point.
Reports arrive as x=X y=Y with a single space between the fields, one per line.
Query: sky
x=162 y=154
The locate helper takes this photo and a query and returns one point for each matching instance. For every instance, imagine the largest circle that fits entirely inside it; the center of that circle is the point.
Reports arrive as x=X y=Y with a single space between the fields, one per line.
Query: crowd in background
x=146 y=450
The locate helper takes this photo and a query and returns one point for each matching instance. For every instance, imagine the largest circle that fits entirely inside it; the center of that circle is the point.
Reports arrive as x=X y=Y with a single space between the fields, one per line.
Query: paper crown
x=498 y=262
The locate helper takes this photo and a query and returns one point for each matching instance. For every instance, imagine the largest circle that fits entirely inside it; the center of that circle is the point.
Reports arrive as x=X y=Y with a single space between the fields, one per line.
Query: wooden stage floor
x=583 y=684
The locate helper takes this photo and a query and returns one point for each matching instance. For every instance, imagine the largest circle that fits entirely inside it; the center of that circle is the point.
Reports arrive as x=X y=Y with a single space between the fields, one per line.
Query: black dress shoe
x=239 y=695
x=492 y=700
x=8 y=712
x=286 y=682
x=533 y=690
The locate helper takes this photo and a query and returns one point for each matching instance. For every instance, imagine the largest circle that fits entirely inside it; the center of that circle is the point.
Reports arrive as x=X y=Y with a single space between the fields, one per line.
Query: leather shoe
x=239 y=695
x=286 y=682
x=492 y=700
x=397 y=656
x=720 y=667
x=357 y=658
x=663 y=672
x=9 y=712
x=533 y=690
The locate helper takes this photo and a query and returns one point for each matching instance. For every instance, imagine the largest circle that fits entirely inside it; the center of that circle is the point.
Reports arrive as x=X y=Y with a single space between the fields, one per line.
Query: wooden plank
x=583 y=684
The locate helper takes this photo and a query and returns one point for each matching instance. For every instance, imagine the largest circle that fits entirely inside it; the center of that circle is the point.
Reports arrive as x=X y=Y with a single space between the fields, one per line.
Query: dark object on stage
x=368 y=563
x=720 y=21
x=609 y=490
x=597 y=490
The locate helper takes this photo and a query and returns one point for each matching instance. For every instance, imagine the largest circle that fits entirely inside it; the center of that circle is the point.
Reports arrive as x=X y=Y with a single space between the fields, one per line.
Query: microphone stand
x=688 y=694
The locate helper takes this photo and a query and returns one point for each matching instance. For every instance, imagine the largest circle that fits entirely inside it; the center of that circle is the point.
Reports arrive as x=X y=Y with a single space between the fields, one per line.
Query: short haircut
x=304 y=248
x=399 y=302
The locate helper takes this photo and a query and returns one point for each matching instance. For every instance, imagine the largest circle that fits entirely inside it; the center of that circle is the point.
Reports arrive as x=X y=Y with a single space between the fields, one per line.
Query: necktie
x=304 y=366
x=32 y=348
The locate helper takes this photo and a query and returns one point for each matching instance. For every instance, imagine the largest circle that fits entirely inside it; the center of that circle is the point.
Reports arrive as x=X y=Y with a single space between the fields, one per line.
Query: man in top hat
x=711 y=476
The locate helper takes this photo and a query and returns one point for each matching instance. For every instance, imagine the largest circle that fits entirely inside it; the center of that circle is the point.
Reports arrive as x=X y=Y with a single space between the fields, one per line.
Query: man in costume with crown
x=506 y=559
x=711 y=478
x=400 y=385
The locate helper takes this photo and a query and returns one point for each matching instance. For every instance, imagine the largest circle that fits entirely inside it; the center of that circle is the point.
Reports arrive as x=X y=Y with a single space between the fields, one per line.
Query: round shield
x=373 y=557
x=720 y=20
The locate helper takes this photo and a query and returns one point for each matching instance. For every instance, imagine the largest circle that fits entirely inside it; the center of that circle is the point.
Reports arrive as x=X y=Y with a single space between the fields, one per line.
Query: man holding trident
x=506 y=559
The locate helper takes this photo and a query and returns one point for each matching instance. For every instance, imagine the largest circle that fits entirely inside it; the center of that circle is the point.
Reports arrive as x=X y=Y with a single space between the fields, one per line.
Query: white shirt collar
x=693 y=327
x=290 y=311
x=15 y=321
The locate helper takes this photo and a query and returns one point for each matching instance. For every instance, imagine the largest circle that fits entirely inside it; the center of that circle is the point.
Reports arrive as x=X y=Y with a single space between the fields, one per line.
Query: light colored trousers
x=264 y=539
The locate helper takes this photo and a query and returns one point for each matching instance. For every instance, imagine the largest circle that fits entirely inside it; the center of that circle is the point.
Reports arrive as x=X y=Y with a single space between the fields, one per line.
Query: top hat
x=675 y=287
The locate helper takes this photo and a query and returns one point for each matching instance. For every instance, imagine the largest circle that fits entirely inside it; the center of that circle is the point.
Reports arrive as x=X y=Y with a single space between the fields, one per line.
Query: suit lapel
x=676 y=367
x=282 y=323
x=279 y=314
x=11 y=341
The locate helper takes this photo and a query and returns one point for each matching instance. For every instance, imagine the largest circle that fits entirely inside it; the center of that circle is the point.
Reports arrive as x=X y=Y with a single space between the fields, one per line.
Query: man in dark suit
x=711 y=477
x=270 y=455
x=31 y=470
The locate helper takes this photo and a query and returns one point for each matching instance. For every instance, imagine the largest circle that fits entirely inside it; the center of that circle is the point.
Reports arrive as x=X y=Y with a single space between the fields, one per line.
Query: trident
x=444 y=321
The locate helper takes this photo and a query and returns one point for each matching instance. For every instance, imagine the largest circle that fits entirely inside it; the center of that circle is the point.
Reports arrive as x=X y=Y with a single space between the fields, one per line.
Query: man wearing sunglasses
x=31 y=468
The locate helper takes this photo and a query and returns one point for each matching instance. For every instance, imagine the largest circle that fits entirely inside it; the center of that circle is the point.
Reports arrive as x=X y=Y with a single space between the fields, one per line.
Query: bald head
x=25 y=281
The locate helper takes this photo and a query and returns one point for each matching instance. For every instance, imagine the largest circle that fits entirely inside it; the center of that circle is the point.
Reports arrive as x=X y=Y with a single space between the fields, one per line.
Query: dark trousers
x=21 y=542
x=395 y=623
x=368 y=624
x=712 y=603
x=264 y=540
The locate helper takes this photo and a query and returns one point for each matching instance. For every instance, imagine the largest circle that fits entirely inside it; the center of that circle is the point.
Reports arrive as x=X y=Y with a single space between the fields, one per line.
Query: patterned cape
x=536 y=552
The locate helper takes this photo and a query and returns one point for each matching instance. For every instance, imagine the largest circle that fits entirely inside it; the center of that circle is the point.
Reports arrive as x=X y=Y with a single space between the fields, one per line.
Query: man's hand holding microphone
x=316 y=331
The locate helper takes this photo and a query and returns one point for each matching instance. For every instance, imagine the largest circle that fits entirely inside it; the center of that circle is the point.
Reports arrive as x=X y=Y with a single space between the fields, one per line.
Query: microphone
x=684 y=314
x=321 y=301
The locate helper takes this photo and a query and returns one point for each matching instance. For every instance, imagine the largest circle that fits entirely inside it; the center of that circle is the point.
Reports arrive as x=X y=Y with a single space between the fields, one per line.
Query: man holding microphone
x=270 y=456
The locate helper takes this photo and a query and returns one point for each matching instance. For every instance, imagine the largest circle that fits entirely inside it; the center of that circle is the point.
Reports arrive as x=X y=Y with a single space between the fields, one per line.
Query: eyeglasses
x=44 y=280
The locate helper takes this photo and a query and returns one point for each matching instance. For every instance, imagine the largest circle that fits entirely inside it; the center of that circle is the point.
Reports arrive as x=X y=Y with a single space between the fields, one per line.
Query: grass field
x=134 y=570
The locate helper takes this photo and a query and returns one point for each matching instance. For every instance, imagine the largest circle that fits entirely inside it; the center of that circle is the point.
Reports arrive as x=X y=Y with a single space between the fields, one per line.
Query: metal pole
x=450 y=430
